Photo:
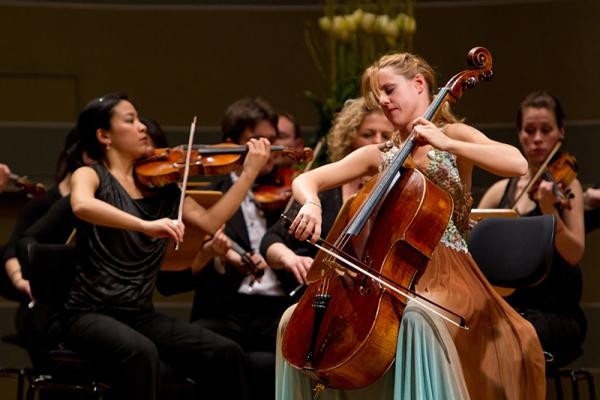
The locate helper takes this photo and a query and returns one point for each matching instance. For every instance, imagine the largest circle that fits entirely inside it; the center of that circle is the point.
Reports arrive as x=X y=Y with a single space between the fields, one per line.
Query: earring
x=108 y=147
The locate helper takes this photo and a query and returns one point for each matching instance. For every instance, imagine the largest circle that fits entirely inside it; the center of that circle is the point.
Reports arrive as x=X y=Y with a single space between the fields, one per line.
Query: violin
x=561 y=172
x=167 y=165
x=342 y=332
x=560 y=168
x=25 y=185
x=276 y=194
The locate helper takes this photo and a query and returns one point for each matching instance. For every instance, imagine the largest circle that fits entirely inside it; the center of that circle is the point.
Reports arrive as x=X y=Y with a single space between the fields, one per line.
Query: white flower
x=391 y=29
x=339 y=28
x=358 y=15
x=351 y=22
x=325 y=24
x=368 y=22
x=381 y=22
x=411 y=25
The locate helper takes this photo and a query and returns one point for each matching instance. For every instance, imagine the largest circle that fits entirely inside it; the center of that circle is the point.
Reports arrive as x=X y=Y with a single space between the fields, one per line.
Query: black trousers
x=561 y=332
x=131 y=344
x=252 y=322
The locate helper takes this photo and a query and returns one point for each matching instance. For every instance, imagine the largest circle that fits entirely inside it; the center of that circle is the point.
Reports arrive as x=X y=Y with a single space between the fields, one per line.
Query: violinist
x=288 y=134
x=227 y=300
x=499 y=357
x=35 y=324
x=4 y=176
x=553 y=305
x=122 y=235
x=354 y=126
x=273 y=190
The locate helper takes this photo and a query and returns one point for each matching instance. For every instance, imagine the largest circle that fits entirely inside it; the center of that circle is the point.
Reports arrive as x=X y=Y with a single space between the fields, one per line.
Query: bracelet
x=313 y=203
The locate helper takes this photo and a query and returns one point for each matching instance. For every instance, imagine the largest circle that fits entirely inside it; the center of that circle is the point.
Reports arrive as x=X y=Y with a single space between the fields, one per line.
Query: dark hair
x=155 y=133
x=245 y=114
x=96 y=115
x=290 y=117
x=71 y=156
x=541 y=99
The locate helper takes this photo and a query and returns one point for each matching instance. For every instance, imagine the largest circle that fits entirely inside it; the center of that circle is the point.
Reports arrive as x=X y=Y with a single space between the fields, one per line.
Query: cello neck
x=392 y=172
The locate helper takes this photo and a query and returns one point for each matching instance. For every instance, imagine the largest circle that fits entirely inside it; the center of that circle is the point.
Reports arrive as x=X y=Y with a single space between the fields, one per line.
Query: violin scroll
x=25 y=185
x=300 y=156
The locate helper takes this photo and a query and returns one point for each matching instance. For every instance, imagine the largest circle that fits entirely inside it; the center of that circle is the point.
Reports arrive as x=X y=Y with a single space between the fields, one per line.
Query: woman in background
x=553 y=305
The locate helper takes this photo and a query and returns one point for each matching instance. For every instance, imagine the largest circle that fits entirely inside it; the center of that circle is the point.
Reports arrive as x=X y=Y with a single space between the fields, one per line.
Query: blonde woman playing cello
x=499 y=357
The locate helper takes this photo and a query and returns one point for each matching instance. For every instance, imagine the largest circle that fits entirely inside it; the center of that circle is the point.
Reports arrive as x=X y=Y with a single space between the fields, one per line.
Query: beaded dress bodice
x=442 y=169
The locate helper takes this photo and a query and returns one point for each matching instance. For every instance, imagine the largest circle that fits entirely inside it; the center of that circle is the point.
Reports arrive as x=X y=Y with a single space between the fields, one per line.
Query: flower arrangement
x=344 y=44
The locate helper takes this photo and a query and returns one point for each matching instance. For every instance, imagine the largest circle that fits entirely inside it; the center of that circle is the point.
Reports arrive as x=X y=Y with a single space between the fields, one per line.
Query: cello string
x=409 y=295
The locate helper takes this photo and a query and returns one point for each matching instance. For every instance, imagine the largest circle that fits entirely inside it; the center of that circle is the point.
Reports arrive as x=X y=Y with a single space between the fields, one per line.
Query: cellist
x=499 y=357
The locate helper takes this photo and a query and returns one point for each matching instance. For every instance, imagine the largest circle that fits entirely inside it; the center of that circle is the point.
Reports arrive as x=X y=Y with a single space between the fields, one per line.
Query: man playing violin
x=553 y=306
x=227 y=300
x=288 y=134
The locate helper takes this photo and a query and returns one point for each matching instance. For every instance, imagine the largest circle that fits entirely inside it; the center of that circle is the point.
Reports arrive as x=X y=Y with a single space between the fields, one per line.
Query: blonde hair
x=407 y=65
x=345 y=127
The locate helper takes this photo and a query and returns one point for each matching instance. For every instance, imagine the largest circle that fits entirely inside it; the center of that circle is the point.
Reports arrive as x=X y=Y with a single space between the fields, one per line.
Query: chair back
x=50 y=269
x=514 y=252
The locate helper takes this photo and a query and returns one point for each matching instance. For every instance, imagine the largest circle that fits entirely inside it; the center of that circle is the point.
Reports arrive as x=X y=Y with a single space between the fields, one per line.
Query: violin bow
x=539 y=172
x=186 y=172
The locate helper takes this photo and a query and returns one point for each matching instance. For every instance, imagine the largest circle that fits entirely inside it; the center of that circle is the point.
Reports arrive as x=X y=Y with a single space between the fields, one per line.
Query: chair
x=20 y=374
x=50 y=269
x=516 y=253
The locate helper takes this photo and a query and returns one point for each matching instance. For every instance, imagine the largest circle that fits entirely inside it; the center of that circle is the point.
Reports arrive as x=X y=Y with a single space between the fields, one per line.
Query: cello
x=343 y=330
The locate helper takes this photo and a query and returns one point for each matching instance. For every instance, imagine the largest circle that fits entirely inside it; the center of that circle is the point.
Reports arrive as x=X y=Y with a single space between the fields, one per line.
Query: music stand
x=478 y=214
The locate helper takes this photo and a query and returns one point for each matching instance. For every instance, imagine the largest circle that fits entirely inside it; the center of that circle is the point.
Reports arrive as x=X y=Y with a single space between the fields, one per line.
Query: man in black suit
x=227 y=300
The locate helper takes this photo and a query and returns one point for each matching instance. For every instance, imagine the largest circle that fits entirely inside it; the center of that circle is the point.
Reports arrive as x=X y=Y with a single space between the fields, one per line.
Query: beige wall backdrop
x=177 y=62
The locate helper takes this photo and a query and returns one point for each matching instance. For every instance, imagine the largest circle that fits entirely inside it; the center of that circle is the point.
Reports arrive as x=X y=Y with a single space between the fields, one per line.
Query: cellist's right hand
x=259 y=151
x=307 y=223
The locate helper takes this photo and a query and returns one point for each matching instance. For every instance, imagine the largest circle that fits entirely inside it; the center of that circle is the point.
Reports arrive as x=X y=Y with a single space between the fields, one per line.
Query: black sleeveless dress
x=552 y=306
x=116 y=268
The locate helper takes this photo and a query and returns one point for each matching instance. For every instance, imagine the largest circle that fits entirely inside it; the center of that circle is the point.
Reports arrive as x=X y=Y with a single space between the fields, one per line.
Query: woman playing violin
x=553 y=306
x=499 y=357
x=122 y=232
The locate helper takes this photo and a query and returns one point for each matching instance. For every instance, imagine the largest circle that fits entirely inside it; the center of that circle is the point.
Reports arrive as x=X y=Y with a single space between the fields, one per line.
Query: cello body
x=353 y=342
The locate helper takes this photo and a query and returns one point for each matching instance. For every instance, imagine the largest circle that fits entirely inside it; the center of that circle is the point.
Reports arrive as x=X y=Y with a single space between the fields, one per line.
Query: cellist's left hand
x=426 y=132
